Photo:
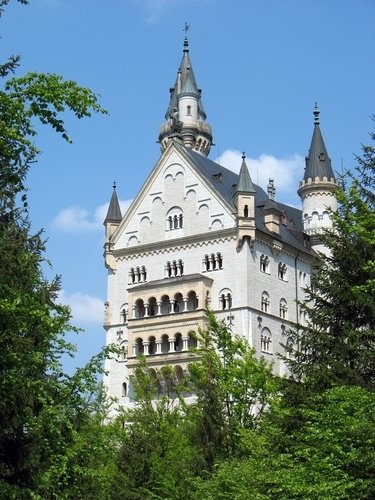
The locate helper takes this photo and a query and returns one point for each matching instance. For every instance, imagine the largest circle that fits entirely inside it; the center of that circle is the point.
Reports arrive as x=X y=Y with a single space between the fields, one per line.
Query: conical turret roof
x=245 y=184
x=318 y=163
x=114 y=210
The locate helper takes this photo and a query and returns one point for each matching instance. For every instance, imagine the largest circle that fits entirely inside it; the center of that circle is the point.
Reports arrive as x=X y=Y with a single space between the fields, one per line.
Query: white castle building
x=198 y=234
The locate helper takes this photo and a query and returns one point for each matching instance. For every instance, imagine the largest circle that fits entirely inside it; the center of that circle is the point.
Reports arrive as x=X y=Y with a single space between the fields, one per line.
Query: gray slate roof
x=225 y=182
x=245 y=184
x=318 y=163
x=114 y=211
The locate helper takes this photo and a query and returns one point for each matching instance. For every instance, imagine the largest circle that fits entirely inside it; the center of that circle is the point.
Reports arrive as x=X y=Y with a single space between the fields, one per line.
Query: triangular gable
x=175 y=188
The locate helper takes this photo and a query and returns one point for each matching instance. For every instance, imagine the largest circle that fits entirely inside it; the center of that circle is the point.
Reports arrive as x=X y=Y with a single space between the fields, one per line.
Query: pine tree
x=337 y=346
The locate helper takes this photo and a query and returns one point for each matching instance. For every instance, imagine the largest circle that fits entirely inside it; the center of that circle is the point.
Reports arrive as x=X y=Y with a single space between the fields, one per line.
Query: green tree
x=329 y=457
x=234 y=389
x=156 y=459
x=338 y=344
x=40 y=407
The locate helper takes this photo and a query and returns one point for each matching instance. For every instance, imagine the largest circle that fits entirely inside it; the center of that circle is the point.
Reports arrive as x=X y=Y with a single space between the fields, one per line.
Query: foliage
x=330 y=457
x=156 y=459
x=338 y=344
x=234 y=389
x=42 y=410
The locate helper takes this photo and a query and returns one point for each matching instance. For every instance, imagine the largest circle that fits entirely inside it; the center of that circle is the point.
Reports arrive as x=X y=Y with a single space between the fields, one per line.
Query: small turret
x=185 y=116
x=111 y=222
x=245 y=202
x=113 y=217
x=317 y=189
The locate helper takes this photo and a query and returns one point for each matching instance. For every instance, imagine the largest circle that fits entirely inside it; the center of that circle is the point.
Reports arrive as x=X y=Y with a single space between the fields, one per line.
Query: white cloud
x=287 y=172
x=84 y=308
x=76 y=219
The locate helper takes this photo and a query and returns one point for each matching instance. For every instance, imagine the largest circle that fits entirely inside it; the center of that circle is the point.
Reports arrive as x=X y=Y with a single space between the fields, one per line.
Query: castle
x=198 y=234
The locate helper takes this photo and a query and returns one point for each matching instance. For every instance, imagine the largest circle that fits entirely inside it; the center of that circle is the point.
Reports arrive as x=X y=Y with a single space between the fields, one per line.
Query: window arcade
x=137 y=275
x=174 y=268
x=212 y=262
x=175 y=221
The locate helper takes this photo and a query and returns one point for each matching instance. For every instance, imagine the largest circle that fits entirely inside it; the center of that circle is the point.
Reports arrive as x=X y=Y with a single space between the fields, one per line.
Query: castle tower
x=245 y=202
x=317 y=189
x=185 y=116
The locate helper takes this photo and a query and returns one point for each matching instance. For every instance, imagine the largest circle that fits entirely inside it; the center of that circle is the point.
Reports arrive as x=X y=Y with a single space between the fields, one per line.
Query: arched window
x=264 y=264
x=152 y=306
x=165 y=307
x=225 y=299
x=246 y=211
x=174 y=268
x=124 y=390
x=289 y=345
x=265 y=302
x=188 y=110
x=192 y=303
x=137 y=275
x=178 y=344
x=165 y=344
x=178 y=303
x=123 y=352
x=151 y=346
x=282 y=270
x=139 y=309
x=139 y=348
x=192 y=341
x=212 y=262
x=175 y=219
x=266 y=341
x=283 y=309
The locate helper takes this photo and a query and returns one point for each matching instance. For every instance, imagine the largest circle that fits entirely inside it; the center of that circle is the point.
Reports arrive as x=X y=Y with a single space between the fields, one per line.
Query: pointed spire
x=114 y=211
x=245 y=184
x=318 y=163
x=185 y=98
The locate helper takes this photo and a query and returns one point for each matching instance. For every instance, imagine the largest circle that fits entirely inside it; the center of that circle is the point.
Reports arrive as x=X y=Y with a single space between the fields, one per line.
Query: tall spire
x=318 y=163
x=185 y=116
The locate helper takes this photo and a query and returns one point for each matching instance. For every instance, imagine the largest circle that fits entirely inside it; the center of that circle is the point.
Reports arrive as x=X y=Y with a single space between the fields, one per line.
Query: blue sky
x=261 y=65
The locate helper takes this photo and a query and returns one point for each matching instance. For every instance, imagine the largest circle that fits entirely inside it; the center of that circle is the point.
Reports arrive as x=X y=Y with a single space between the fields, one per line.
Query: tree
x=337 y=346
x=329 y=457
x=156 y=459
x=40 y=406
x=234 y=389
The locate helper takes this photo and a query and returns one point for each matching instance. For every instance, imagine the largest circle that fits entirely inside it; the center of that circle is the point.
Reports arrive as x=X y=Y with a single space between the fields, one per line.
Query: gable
x=176 y=201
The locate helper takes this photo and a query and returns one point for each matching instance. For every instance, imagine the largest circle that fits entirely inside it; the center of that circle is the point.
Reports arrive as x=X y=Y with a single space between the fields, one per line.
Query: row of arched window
x=175 y=221
x=137 y=275
x=212 y=262
x=165 y=305
x=265 y=267
x=265 y=305
x=266 y=341
x=173 y=268
x=165 y=381
x=165 y=345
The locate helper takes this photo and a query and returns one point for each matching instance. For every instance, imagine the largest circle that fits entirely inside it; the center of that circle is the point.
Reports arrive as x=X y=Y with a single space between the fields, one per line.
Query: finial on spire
x=271 y=189
x=186 y=27
x=114 y=185
x=316 y=114
x=243 y=155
